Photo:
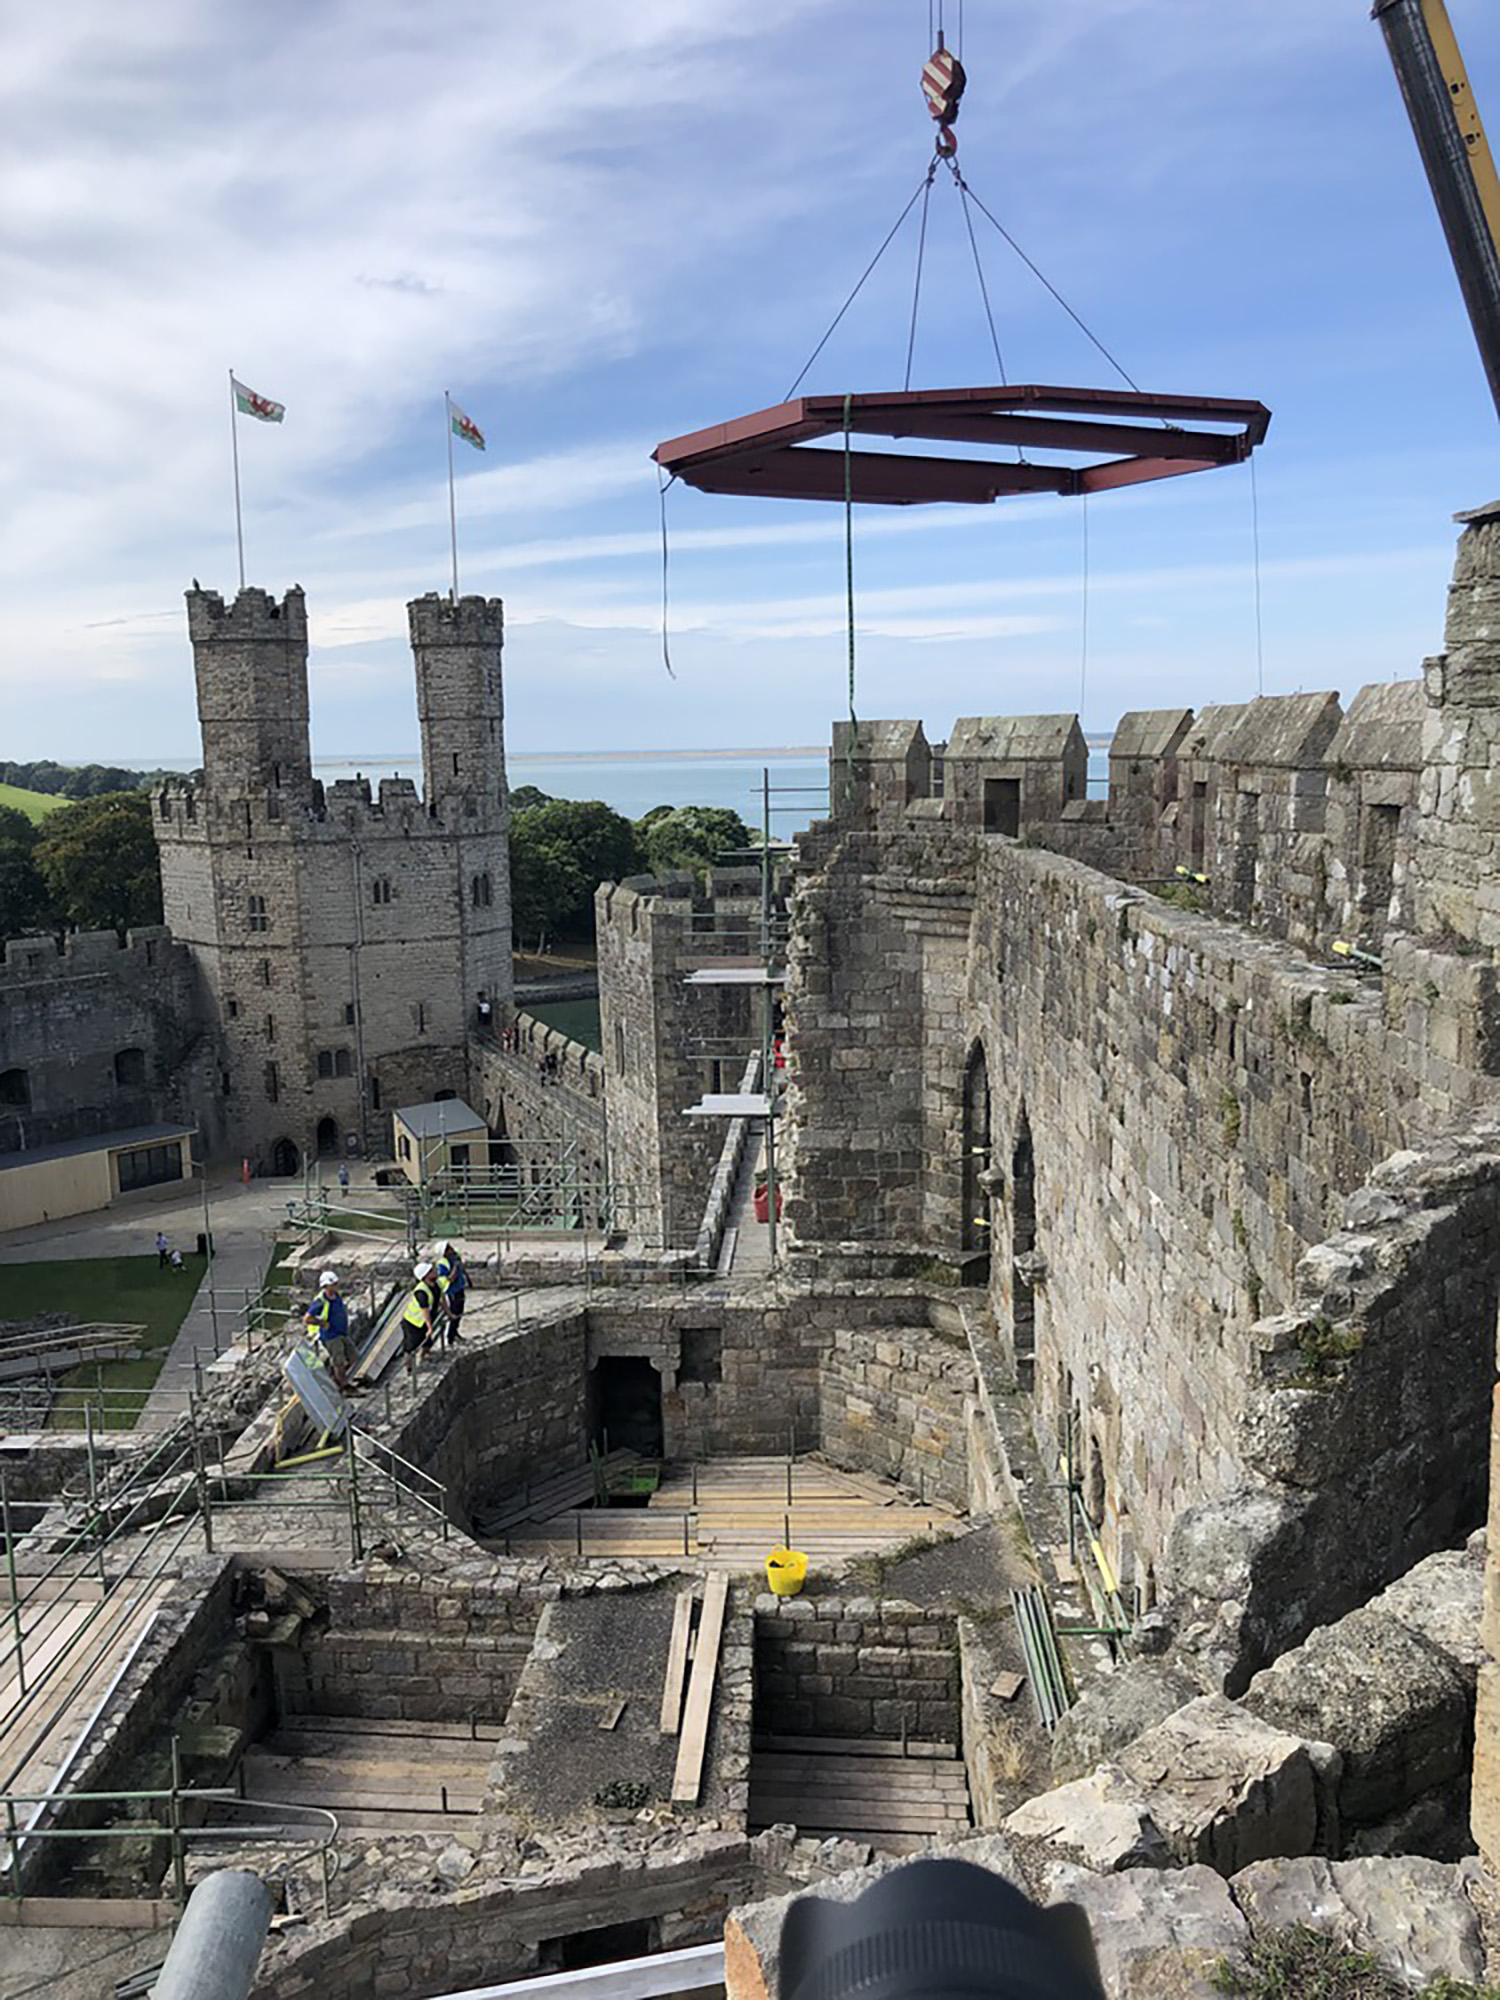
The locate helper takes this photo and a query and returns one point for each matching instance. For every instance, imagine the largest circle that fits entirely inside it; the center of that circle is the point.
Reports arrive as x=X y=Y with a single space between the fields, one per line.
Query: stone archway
x=328 y=1138
x=285 y=1159
x=974 y=1230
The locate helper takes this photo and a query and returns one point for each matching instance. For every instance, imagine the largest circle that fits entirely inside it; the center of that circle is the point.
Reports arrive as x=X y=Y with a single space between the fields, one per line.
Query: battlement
x=29 y=958
x=254 y=615
x=472 y=621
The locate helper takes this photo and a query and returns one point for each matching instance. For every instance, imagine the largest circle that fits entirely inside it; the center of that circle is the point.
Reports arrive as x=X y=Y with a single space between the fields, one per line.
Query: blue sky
x=603 y=225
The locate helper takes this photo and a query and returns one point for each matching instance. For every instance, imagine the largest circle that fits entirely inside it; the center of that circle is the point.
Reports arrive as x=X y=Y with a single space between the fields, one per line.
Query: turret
x=250 y=660
x=460 y=706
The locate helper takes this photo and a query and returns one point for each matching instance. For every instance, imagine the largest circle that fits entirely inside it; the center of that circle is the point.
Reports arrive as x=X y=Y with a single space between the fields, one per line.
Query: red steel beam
x=766 y=452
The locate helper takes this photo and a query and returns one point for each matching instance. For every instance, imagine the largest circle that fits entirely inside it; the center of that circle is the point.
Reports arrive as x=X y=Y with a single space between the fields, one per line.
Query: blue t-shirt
x=329 y=1315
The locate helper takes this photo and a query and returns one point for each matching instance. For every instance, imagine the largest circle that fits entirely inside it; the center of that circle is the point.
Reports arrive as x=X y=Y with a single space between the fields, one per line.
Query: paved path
x=752 y=1243
x=245 y=1222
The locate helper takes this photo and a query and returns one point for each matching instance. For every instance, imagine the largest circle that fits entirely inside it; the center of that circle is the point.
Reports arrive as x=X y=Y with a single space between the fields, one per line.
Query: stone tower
x=250 y=663
x=345 y=939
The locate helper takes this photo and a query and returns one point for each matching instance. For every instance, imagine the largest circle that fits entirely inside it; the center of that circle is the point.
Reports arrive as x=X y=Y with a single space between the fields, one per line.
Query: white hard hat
x=423 y=1270
x=329 y=1278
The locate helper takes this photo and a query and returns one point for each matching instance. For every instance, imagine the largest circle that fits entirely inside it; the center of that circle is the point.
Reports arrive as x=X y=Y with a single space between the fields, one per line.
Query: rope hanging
x=1083 y=664
x=916 y=295
x=1260 y=647
x=666 y=650
x=849 y=567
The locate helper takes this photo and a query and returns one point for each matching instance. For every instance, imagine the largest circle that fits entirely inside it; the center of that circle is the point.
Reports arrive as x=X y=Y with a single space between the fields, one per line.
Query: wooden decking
x=377 y=1776
x=898 y=1799
x=73 y=1643
x=731 y=1512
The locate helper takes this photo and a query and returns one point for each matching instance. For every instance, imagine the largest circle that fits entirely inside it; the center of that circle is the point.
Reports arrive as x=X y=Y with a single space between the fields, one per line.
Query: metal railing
x=172 y=1826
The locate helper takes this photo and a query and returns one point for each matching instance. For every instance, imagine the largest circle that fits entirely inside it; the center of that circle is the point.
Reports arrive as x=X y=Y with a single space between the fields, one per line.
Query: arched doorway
x=1023 y=1247
x=328 y=1138
x=285 y=1159
x=974 y=1235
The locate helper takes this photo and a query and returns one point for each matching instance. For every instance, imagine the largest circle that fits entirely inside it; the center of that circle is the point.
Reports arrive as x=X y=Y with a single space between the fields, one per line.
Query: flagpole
x=234 y=440
x=452 y=509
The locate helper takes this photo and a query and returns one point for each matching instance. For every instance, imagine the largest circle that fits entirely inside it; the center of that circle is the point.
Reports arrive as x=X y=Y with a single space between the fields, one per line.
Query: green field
x=127 y=1291
x=35 y=805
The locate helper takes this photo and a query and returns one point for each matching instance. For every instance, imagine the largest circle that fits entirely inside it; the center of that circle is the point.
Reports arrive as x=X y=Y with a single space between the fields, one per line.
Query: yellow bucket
x=786 y=1571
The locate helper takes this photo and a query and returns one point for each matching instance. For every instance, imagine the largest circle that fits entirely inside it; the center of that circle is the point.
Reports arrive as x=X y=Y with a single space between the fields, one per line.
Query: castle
x=1148 y=1142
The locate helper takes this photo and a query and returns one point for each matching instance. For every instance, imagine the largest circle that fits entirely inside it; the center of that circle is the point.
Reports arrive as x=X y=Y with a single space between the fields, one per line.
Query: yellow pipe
x=1466 y=111
x=1110 y=1584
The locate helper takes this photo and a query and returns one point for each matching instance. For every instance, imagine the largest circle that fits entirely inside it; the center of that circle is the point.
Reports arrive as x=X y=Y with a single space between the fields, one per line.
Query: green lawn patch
x=128 y=1291
x=35 y=805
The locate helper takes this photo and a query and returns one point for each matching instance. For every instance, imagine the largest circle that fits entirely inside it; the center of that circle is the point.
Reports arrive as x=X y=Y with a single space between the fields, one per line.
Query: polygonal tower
x=456 y=646
x=349 y=943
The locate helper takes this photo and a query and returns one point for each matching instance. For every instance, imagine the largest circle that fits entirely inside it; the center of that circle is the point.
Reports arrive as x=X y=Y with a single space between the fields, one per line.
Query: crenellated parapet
x=470 y=621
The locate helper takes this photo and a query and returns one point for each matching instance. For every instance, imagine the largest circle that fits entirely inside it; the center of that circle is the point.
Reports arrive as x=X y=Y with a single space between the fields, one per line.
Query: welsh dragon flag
x=465 y=427
x=249 y=404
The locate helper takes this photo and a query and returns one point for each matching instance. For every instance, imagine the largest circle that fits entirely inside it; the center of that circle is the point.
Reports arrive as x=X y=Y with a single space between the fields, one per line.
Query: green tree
x=691 y=837
x=98 y=858
x=24 y=902
x=524 y=797
x=560 y=852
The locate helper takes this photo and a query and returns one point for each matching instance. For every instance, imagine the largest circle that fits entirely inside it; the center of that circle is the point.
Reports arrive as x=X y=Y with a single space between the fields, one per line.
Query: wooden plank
x=370 y=1725
x=847 y=1746
x=113 y=1913
x=688 y=1777
x=671 y=1694
x=853 y=1774
x=850 y=1811
x=333 y=1754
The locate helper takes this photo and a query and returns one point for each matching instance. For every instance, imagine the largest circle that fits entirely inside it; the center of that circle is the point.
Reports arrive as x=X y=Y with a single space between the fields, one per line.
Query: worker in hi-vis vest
x=328 y=1318
x=417 y=1320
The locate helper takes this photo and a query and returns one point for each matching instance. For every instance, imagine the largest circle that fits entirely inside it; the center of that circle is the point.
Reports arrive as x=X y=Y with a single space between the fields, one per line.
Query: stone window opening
x=334 y=1062
x=190 y=807
x=1002 y=806
x=15 y=1089
x=258 y=918
x=620 y=1047
x=166 y=805
x=455 y=763
x=270 y=1027
x=374 y=1091
x=1023 y=1248
x=130 y=1068
x=380 y=889
x=232 y=1007
x=974 y=1189
x=482 y=891
x=1095 y=1491
x=348 y=1013
x=1379 y=827
x=273 y=1083
x=264 y=972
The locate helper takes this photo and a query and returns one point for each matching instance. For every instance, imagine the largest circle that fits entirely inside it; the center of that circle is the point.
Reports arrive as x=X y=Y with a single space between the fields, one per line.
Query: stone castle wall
x=345 y=938
x=666 y=1044
x=508 y=1088
x=104 y=1037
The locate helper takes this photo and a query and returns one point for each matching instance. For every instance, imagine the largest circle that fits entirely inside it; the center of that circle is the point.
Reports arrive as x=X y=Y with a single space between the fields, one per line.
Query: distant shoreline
x=601 y=756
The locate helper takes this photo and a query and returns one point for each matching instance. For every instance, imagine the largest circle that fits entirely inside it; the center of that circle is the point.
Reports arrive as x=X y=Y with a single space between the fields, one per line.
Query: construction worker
x=328 y=1318
x=419 y=1317
x=453 y=1283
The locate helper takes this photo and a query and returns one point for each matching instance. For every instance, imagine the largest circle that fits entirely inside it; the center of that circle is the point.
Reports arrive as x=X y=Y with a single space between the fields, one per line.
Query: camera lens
x=924 y=1932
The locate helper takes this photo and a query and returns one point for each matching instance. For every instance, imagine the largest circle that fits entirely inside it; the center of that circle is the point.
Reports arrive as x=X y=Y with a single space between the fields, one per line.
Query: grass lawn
x=35 y=805
x=129 y=1291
